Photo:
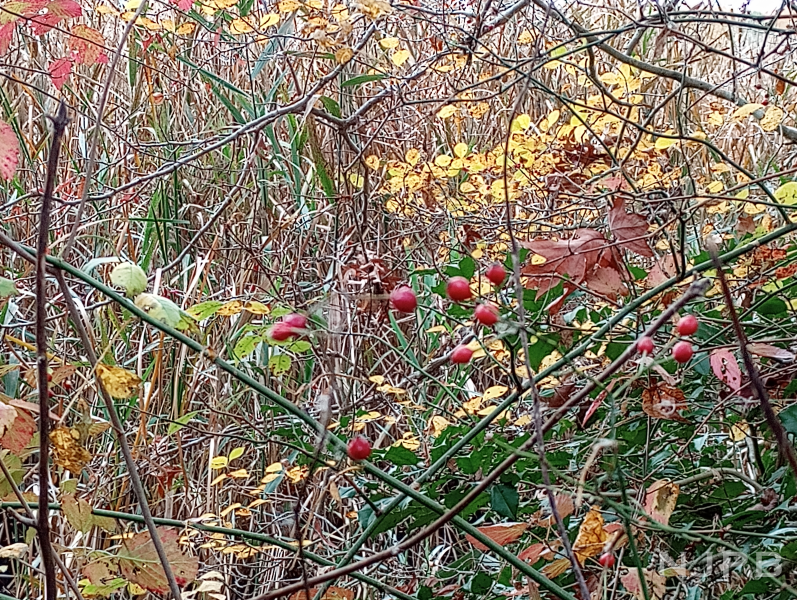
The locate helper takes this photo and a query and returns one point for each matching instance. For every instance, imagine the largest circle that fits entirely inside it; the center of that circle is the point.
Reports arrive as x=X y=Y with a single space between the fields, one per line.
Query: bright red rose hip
x=606 y=560
x=461 y=355
x=403 y=299
x=682 y=352
x=359 y=448
x=458 y=289
x=687 y=325
x=645 y=345
x=496 y=273
x=486 y=314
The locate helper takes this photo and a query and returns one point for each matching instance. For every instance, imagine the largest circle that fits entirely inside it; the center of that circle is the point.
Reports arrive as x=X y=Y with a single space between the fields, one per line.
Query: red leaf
x=88 y=45
x=769 y=351
x=65 y=9
x=184 y=4
x=9 y=151
x=18 y=436
x=532 y=553
x=500 y=534
x=60 y=71
x=629 y=229
x=725 y=367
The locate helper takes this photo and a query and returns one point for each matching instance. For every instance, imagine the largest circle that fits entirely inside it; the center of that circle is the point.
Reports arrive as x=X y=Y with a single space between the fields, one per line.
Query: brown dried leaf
x=629 y=229
x=563 y=257
x=770 y=351
x=663 y=402
x=591 y=536
x=332 y=593
x=556 y=568
x=656 y=584
x=660 y=500
x=139 y=561
x=67 y=451
x=118 y=382
x=503 y=534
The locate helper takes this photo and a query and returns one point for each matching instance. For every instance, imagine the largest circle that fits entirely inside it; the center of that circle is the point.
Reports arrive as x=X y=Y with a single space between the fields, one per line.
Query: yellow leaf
x=745 y=111
x=274 y=468
x=495 y=392
x=229 y=509
x=186 y=29
x=461 y=150
x=743 y=194
x=372 y=162
x=118 y=382
x=218 y=462
x=377 y=379
x=409 y=441
x=753 y=209
x=412 y=156
x=521 y=123
x=714 y=187
x=438 y=425
x=443 y=160
x=437 y=329
x=241 y=26
x=739 y=431
x=660 y=500
x=787 y=193
x=132 y=4
x=716 y=119
x=389 y=43
x=400 y=57
x=772 y=118
x=356 y=180
x=344 y=55
x=591 y=536
x=67 y=451
x=664 y=143
x=256 y=308
x=525 y=38
x=218 y=479
x=288 y=5
x=719 y=209
x=237 y=453
x=370 y=416
x=233 y=307
x=239 y=474
x=268 y=20
x=447 y=111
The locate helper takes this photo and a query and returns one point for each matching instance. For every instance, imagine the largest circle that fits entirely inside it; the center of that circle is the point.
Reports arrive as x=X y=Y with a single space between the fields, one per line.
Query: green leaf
x=204 y=310
x=773 y=306
x=129 y=277
x=165 y=311
x=504 y=500
x=399 y=455
x=467 y=267
x=279 y=364
x=788 y=417
x=236 y=453
x=360 y=79
x=481 y=584
x=331 y=105
x=7 y=288
x=181 y=422
x=246 y=345
x=300 y=346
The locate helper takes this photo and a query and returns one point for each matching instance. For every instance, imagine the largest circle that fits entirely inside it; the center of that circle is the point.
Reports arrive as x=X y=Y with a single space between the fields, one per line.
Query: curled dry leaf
x=660 y=500
x=591 y=536
x=14 y=550
x=503 y=534
x=556 y=568
x=67 y=451
x=663 y=402
x=118 y=382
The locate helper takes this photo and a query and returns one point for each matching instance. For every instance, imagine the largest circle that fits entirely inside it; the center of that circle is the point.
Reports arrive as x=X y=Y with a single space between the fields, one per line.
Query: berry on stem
x=682 y=352
x=403 y=299
x=458 y=289
x=486 y=314
x=606 y=560
x=496 y=273
x=687 y=325
x=461 y=355
x=645 y=345
x=281 y=331
x=359 y=448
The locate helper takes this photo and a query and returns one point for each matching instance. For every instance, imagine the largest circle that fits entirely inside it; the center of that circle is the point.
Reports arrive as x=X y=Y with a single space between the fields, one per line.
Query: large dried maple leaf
x=140 y=564
x=563 y=258
x=629 y=229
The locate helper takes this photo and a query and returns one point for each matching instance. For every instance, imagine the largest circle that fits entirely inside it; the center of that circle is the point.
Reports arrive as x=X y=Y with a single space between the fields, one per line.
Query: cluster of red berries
x=682 y=351
x=458 y=290
x=291 y=325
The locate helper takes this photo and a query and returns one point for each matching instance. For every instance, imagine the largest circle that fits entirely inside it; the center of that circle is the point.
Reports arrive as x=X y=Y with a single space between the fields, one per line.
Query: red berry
x=403 y=298
x=606 y=560
x=458 y=289
x=645 y=345
x=486 y=314
x=682 y=352
x=496 y=273
x=359 y=448
x=687 y=325
x=281 y=331
x=461 y=355
x=296 y=321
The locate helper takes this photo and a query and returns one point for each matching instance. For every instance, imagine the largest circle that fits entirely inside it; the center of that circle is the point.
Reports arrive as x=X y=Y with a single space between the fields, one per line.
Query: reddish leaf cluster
x=40 y=14
x=588 y=259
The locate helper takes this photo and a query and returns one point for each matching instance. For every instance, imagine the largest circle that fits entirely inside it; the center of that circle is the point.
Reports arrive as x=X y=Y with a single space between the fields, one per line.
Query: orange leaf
x=501 y=534
x=591 y=536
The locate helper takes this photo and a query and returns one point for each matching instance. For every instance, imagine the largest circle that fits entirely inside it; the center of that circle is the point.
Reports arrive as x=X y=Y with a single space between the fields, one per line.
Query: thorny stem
x=784 y=445
x=60 y=122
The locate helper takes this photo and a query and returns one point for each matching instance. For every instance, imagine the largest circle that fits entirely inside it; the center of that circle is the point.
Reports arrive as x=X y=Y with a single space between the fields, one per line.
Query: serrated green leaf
x=129 y=277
